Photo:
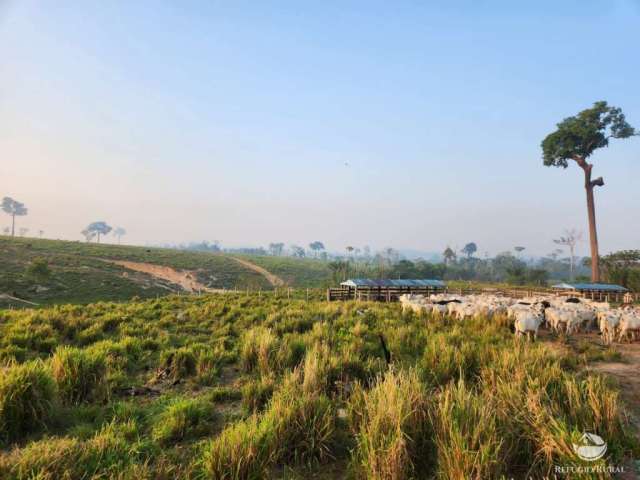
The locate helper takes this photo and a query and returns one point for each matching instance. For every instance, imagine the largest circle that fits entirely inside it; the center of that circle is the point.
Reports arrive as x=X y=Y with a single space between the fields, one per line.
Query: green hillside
x=78 y=272
x=297 y=272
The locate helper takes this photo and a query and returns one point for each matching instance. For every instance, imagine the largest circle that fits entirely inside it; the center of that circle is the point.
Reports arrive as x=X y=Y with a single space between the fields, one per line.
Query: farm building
x=383 y=290
x=599 y=291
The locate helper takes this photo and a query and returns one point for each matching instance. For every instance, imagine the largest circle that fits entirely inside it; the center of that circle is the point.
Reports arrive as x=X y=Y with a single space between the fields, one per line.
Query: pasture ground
x=247 y=386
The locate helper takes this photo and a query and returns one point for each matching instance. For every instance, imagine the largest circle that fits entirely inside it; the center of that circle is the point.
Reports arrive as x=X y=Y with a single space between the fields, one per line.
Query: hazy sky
x=410 y=124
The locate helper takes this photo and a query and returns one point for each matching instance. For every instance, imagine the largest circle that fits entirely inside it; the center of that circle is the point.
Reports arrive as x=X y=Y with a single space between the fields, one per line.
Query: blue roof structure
x=602 y=287
x=416 y=283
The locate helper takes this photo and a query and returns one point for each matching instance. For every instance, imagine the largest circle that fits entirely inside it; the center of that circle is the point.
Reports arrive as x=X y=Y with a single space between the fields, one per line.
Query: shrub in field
x=38 y=270
x=27 y=399
x=391 y=427
x=466 y=435
x=81 y=375
x=258 y=350
x=183 y=418
x=179 y=362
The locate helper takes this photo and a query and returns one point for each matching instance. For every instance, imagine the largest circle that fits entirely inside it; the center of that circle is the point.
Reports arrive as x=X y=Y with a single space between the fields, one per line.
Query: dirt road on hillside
x=6 y=296
x=186 y=279
x=274 y=280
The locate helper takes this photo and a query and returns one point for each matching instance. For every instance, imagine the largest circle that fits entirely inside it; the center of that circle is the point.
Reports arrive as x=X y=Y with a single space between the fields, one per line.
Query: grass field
x=79 y=274
x=248 y=387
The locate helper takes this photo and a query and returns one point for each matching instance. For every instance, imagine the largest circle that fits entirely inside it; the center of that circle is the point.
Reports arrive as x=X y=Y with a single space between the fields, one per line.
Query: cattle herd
x=565 y=315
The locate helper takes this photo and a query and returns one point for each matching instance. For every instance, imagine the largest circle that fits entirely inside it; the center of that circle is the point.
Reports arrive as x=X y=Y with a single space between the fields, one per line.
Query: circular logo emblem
x=591 y=448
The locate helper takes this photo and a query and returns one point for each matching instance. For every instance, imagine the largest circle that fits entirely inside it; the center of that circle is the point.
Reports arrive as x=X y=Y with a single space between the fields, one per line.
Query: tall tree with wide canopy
x=316 y=247
x=96 y=229
x=576 y=138
x=449 y=255
x=15 y=209
x=469 y=249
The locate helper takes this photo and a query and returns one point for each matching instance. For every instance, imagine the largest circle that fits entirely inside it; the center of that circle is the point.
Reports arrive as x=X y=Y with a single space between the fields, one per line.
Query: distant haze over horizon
x=389 y=125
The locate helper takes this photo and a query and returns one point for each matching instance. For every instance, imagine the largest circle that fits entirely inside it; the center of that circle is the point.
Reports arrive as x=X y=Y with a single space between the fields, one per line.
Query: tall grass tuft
x=256 y=393
x=110 y=450
x=297 y=427
x=240 y=452
x=183 y=418
x=391 y=426
x=259 y=350
x=301 y=423
x=467 y=439
x=81 y=375
x=179 y=362
x=316 y=369
x=27 y=399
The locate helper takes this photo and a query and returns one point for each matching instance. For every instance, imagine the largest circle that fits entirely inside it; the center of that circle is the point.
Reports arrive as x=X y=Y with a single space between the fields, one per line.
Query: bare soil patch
x=186 y=279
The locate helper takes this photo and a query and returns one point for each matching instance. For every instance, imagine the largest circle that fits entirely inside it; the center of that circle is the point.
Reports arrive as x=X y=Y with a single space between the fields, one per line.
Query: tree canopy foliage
x=623 y=268
x=579 y=136
x=469 y=249
x=15 y=209
x=96 y=229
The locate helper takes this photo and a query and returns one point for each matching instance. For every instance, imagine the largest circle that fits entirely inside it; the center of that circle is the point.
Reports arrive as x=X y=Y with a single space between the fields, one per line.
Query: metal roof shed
x=595 y=291
x=591 y=287
x=406 y=283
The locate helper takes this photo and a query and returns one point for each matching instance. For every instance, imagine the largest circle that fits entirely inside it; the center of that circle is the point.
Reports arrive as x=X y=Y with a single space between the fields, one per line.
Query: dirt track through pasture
x=274 y=280
x=186 y=279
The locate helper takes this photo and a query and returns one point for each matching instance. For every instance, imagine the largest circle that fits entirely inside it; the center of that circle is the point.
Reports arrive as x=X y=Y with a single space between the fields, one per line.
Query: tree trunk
x=13 y=225
x=571 y=263
x=591 y=210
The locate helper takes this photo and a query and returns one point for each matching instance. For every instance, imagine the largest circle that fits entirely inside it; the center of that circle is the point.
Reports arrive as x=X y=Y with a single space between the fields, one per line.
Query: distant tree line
x=504 y=267
x=622 y=268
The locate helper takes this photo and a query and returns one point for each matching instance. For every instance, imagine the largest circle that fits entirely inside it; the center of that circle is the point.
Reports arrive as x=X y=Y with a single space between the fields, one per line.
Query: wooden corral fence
x=391 y=294
x=377 y=293
x=599 y=295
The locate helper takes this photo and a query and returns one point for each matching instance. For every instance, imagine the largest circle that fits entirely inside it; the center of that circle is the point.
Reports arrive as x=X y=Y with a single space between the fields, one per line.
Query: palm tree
x=449 y=255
